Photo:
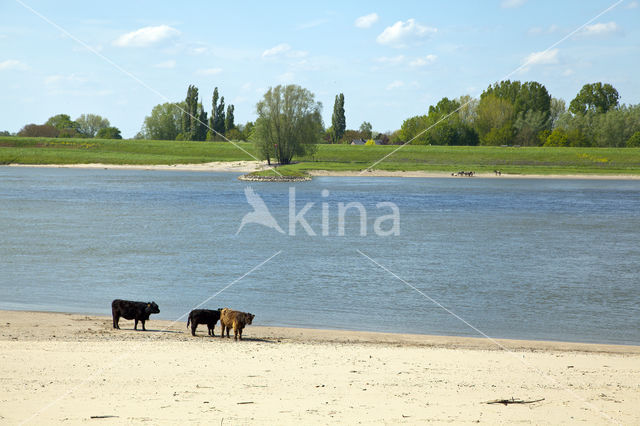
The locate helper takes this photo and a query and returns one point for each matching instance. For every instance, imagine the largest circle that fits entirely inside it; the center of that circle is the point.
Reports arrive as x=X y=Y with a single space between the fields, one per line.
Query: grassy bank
x=328 y=157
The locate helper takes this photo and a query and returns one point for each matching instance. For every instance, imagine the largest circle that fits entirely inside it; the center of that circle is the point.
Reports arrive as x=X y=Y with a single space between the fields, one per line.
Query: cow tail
x=188 y=320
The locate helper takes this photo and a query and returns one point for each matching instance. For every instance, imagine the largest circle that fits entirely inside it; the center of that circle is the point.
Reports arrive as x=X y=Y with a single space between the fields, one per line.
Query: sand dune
x=70 y=368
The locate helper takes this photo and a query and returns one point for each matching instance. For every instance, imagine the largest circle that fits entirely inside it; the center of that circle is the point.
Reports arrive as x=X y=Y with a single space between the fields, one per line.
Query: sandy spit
x=252 y=166
x=69 y=368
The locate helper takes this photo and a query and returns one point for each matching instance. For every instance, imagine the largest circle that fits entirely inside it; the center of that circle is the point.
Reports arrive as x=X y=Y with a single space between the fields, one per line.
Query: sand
x=252 y=166
x=69 y=368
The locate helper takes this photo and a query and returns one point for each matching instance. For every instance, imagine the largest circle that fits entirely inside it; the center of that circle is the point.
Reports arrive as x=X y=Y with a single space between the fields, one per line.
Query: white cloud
x=634 y=4
x=276 y=50
x=59 y=79
x=390 y=60
x=367 y=21
x=283 y=49
x=568 y=72
x=395 y=84
x=146 y=36
x=509 y=4
x=425 y=60
x=13 y=64
x=545 y=57
x=209 y=71
x=600 y=29
x=166 y=64
x=402 y=33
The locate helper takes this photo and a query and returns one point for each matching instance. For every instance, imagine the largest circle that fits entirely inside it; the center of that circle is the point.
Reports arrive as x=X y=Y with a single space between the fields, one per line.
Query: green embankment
x=329 y=157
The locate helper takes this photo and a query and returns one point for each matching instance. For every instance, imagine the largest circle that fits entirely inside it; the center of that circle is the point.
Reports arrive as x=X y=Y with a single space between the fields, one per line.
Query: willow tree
x=289 y=123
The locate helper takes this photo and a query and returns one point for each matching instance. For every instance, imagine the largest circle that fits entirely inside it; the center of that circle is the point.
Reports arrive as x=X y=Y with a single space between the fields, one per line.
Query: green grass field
x=329 y=157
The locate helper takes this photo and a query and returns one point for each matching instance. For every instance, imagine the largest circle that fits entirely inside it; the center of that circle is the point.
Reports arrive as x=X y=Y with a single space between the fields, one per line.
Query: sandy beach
x=69 y=368
x=252 y=166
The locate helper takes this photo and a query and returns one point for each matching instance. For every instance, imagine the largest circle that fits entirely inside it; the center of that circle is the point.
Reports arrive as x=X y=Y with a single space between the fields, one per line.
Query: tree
x=67 y=128
x=109 y=133
x=165 y=122
x=219 y=120
x=558 y=107
x=634 y=141
x=338 y=120
x=62 y=121
x=5 y=133
x=533 y=96
x=190 y=115
x=229 y=119
x=42 y=130
x=289 y=123
x=412 y=127
x=497 y=115
x=528 y=126
x=595 y=97
x=557 y=138
x=90 y=124
x=366 y=130
x=211 y=135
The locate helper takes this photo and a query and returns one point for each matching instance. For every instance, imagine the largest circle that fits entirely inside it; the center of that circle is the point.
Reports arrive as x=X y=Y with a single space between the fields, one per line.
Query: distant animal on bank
x=137 y=311
x=236 y=319
x=203 y=316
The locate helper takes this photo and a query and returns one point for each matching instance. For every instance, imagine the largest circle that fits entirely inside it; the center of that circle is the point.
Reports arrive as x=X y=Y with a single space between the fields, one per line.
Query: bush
x=634 y=141
x=39 y=130
x=370 y=142
x=109 y=133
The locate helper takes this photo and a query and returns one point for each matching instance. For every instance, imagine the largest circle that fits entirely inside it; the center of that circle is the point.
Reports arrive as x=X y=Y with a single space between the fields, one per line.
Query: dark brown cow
x=203 y=316
x=137 y=311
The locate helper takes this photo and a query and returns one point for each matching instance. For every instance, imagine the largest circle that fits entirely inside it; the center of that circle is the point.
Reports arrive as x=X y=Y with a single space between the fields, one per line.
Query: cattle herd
x=140 y=311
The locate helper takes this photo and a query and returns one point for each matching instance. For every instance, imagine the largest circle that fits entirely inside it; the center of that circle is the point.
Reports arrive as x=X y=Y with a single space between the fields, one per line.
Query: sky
x=391 y=60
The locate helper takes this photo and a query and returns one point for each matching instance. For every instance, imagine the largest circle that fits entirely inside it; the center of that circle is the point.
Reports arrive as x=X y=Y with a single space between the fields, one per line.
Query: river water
x=546 y=259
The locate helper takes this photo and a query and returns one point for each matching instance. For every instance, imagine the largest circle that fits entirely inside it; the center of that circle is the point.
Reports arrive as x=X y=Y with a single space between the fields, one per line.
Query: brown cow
x=238 y=320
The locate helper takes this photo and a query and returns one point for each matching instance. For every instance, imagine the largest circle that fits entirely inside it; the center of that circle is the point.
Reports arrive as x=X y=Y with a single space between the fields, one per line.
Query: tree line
x=525 y=114
x=62 y=126
x=188 y=120
x=506 y=113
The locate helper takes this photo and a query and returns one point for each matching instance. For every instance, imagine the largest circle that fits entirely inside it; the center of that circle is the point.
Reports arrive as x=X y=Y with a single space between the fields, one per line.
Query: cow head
x=250 y=318
x=152 y=308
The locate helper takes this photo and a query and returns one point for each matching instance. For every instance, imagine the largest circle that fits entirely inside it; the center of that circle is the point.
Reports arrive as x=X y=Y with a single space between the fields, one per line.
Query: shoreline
x=253 y=166
x=323 y=335
x=74 y=368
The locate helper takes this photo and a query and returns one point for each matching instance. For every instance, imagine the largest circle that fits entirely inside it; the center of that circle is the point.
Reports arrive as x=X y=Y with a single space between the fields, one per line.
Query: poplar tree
x=338 y=120
x=212 y=118
x=229 y=119
x=190 y=115
x=218 y=121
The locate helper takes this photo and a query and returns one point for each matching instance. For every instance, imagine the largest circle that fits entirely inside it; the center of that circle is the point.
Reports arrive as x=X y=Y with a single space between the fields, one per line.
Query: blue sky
x=390 y=59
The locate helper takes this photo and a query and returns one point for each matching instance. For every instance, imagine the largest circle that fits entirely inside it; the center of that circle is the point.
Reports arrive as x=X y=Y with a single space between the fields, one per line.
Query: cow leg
x=235 y=333
x=135 y=324
x=240 y=333
x=143 y=329
x=116 y=318
x=194 y=325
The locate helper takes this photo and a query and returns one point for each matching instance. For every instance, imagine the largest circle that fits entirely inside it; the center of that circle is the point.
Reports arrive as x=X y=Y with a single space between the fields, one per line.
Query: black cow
x=138 y=311
x=203 y=316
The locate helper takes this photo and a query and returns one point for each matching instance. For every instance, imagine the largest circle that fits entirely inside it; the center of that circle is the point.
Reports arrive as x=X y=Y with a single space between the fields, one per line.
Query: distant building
x=358 y=142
